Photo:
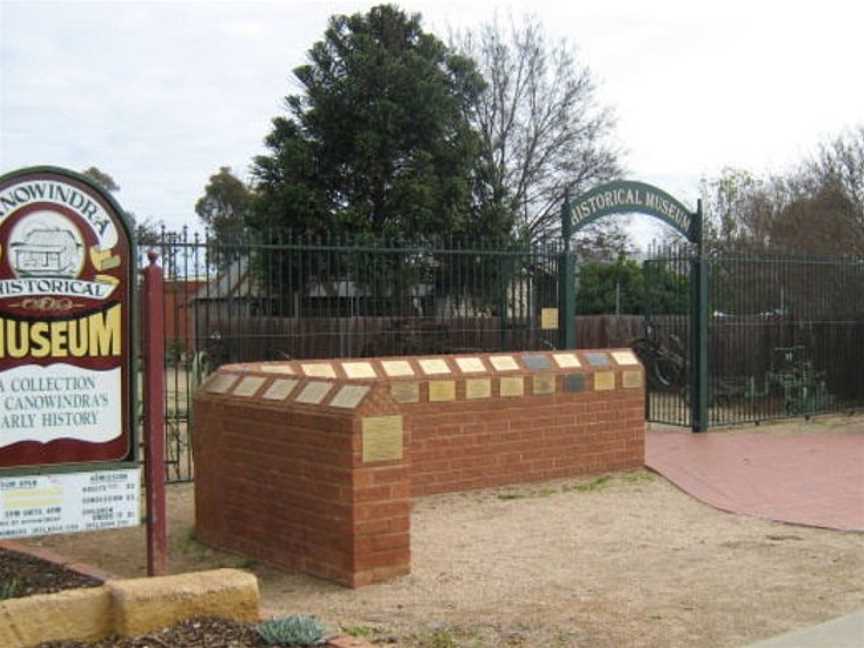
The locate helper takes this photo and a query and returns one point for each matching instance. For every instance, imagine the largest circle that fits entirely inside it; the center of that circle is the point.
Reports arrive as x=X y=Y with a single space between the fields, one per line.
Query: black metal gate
x=785 y=337
x=665 y=347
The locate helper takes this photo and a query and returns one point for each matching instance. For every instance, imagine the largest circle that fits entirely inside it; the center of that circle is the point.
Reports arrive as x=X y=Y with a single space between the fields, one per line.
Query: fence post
x=699 y=334
x=153 y=348
x=566 y=284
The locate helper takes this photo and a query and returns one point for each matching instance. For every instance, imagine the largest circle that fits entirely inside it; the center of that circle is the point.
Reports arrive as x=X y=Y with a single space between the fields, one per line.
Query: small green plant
x=638 y=476
x=358 y=631
x=593 y=485
x=438 y=639
x=294 y=630
x=9 y=589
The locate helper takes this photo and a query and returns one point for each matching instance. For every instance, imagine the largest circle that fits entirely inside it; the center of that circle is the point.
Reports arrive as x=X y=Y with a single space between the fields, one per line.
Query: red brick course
x=286 y=482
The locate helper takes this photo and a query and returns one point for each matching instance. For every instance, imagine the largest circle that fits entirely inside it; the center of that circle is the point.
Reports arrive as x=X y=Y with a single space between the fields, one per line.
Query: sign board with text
x=33 y=505
x=66 y=298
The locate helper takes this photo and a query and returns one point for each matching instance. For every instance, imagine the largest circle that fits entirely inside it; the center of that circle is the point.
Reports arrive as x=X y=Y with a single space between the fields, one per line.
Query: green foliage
x=9 y=589
x=294 y=630
x=653 y=288
x=224 y=207
x=378 y=142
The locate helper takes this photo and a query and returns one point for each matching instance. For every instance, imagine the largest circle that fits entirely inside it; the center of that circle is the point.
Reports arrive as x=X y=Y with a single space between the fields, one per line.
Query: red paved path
x=813 y=478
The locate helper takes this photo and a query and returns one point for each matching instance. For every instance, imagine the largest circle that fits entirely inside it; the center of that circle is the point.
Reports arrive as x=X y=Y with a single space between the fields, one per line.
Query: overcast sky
x=161 y=94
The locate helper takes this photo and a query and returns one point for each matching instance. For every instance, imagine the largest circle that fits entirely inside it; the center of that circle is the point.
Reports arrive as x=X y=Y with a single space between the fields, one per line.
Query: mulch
x=205 y=632
x=23 y=575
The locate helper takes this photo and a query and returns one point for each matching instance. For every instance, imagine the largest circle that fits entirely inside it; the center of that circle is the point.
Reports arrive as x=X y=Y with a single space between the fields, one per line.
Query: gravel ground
x=614 y=561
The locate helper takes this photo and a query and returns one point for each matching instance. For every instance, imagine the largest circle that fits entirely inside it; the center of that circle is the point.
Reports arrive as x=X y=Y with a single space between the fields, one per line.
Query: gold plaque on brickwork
x=504 y=363
x=405 y=392
x=478 y=388
x=625 y=357
x=432 y=366
x=470 y=365
x=544 y=384
x=604 y=380
x=566 y=360
x=248 y=386
x=349 y=396
x=314 y=392
x=280 y=389
x=221 y=383
x=631 y=379
x=320 y=370
x=396 y=368
x=442 y=390
x=549 y=319
x=382 y=438
x=276 y=368
x=358 y=369
x=513 y=386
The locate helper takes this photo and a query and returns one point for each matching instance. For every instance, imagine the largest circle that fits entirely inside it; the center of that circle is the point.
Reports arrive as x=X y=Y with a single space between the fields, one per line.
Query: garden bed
x=208 y=631
x=25 y=575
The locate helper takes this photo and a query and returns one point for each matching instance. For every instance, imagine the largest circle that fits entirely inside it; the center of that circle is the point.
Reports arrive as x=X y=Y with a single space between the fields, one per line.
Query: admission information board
x=69 y=502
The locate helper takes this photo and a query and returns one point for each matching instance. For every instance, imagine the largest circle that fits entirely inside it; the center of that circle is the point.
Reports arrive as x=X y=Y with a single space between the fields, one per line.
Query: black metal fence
x=786 y=335
x=785 y=338
x=300 y=298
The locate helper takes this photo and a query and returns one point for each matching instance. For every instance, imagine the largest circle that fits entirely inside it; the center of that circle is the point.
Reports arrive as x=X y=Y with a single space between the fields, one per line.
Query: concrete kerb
x=129 y=607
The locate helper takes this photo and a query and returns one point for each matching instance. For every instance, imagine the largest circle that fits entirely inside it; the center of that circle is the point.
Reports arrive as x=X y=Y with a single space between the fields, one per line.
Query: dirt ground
x=613 y=561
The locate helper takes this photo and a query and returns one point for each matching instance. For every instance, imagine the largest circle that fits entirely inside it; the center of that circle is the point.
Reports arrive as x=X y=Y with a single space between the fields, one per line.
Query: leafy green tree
x=379 y=141
x=225 y=206
x=627 y=288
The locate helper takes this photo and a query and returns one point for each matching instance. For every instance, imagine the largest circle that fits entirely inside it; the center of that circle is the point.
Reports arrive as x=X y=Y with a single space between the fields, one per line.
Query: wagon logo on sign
x=46 y=255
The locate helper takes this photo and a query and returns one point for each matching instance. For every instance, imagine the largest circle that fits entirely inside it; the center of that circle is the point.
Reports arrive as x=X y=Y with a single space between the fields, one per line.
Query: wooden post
x=153 y=349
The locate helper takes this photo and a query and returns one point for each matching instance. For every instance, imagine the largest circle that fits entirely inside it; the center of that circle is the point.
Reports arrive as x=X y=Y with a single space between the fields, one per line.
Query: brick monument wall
x=311 y=465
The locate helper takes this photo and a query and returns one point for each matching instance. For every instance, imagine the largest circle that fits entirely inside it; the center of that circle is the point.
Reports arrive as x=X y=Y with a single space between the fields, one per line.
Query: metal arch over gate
x=623 y=197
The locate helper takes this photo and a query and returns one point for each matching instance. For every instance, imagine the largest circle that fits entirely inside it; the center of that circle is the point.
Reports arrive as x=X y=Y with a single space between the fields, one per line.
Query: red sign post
x=153 y=348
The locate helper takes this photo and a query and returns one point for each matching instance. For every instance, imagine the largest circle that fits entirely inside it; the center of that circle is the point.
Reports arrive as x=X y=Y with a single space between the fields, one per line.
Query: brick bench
x=312 y=465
